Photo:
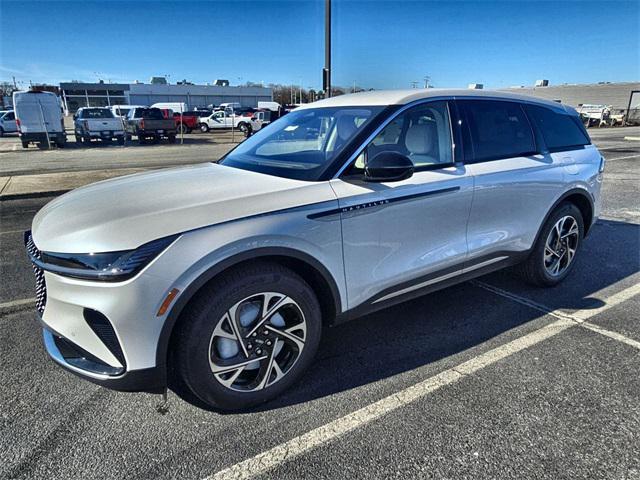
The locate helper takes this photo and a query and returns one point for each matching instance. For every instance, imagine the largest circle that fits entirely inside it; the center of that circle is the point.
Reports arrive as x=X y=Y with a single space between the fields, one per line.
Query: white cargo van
x=39 y=118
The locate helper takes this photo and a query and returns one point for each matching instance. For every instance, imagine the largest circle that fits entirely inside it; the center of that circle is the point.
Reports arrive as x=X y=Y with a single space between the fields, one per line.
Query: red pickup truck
x=186 y=122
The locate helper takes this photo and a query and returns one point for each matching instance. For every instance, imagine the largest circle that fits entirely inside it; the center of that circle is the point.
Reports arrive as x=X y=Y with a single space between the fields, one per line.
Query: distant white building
x=615 y=94
x=76 y=95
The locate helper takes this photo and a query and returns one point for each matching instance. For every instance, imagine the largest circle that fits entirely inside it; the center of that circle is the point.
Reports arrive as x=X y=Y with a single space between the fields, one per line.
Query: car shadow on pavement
x=437 y=326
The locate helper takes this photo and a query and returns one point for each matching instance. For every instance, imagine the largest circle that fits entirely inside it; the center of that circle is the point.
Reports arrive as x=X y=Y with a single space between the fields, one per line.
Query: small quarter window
x=560 y=131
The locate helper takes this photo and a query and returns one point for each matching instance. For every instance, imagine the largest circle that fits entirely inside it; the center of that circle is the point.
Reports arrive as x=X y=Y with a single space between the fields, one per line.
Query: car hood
x=126 y=212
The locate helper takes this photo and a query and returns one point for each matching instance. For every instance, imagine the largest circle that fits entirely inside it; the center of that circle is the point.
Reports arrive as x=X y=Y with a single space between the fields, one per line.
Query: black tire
x=191 y=352
x=142 y=140
x=25 y=144
x=61 y=143
x=1 y=132
x=128 y=137
x=78 y=139
x=244 y=127
x=120 y=140
x=43 y=145
x=172 y=138
x=204 y=128
x=181 y=128
x=533 y=269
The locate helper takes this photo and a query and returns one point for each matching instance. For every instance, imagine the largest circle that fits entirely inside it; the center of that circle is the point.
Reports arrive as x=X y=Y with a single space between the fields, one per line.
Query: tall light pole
x=326 y=71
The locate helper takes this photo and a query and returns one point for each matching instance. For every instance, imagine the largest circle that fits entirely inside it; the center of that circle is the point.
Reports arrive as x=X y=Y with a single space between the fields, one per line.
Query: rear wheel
x=25 y=144
x=248 y=336
x=172 y=138
x=553 y=256
x=182 y=128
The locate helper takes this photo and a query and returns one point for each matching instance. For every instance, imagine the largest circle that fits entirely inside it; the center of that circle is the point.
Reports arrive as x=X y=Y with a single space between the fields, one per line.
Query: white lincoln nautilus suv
x=222 y=275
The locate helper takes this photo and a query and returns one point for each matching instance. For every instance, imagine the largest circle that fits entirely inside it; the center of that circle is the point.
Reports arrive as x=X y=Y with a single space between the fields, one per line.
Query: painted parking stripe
x=16 y=304
x=579 y=317
x=295 y=447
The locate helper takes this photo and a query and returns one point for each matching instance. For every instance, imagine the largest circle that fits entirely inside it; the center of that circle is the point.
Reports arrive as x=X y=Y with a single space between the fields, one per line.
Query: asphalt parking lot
x=487 y=379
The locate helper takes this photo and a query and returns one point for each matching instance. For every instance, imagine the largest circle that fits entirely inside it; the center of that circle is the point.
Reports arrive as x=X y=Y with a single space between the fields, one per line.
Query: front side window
x=498 y=129
x=422 y=133
x=9 y=116
x=302 y=144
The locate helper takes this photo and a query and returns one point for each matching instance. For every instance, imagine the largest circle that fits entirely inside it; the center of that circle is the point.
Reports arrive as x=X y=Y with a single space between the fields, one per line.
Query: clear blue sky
x=376 y=44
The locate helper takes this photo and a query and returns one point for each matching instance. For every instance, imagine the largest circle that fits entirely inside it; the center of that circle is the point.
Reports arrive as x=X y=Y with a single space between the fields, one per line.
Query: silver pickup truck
x=97 y=123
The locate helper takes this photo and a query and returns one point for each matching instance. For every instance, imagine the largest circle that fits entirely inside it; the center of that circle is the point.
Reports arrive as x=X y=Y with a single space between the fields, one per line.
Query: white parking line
x=16 y=303
x=291 y=449
x=621 y=158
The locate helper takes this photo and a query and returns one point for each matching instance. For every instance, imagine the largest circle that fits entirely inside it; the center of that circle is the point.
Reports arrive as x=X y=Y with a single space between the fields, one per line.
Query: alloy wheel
x=257 y=341
x=561 y=245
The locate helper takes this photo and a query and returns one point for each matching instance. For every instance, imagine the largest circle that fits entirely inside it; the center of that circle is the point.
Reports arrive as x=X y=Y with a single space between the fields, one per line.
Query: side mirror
x=388 y=167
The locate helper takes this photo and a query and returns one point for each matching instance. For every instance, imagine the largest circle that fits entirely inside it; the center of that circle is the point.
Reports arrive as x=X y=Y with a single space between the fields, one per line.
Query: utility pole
x=326 y=71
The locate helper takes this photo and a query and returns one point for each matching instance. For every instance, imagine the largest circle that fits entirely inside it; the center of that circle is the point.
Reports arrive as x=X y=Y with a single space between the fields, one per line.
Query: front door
x=399 y=237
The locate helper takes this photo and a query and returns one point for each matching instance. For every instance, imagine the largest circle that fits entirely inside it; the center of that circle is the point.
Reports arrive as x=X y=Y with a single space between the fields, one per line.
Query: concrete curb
x=22 y=196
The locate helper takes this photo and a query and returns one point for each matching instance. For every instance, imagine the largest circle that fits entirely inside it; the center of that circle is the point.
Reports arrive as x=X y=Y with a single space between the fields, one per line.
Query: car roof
x=403 y=97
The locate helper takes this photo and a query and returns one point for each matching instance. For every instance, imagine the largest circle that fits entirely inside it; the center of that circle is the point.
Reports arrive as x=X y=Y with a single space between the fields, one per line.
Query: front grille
x=41 y=286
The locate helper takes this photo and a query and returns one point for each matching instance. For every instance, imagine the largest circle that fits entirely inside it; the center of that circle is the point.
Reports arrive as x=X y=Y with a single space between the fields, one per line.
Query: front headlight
x=107 y=266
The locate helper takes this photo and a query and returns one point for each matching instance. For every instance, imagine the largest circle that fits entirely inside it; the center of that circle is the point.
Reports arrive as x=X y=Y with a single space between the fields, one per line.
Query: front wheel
x=554 y=253
x=248 y=336
x=204 y=128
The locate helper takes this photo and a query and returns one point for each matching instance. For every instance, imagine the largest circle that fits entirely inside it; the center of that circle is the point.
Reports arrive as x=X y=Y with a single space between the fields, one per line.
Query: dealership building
x=77 y=95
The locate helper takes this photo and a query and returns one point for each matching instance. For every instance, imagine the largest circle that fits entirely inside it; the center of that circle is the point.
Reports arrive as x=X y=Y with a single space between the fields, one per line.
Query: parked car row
x=38 y=118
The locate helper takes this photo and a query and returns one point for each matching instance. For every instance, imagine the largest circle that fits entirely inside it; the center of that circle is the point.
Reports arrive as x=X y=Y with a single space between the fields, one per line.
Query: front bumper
x=105 y=332
x=72 y=358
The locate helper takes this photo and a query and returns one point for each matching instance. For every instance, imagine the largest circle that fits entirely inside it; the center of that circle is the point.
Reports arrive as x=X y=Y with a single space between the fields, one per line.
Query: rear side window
x=560 y=131
x=498 y=130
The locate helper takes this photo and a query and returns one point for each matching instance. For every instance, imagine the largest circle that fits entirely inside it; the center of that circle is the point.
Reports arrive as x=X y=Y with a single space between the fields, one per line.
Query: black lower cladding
x=102 y=327
x=41 y=286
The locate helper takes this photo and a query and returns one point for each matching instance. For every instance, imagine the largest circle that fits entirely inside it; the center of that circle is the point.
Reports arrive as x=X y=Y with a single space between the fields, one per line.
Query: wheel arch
x=316 y=274
x=582 y=199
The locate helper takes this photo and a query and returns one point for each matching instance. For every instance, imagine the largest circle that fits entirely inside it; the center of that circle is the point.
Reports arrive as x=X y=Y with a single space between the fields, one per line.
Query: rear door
x=399 y=237
x=516 y=179
x=28 y=111
x=51 y=111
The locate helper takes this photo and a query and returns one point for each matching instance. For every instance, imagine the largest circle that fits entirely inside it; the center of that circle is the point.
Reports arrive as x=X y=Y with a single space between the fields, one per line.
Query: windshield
x=303 y=143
